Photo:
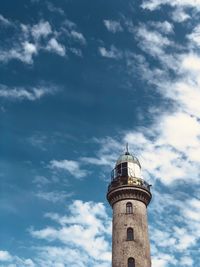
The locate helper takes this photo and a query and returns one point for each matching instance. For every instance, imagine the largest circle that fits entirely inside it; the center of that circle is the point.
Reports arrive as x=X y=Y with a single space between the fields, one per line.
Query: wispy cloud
x=113 y=26
x=54 y=46
x=53 y=196
x=30 y=40
x=180 y=15
x=23 y=52
x=186 y=261
x=85 y=229
x=109 y=150
x=71 y=166
x=78 y=36
x=154 y=4
x=21 y=93
x=5 y=256
x=41 y=30
x=51 y=7
x=41 y=181
x=84 y=233
x=164 y=27
x=113 y=52
x=194 y=37
x=181 y=235
x=152 y=41
x=4 y=21
x=11 y=260
x=168 y=149
x=71 y=31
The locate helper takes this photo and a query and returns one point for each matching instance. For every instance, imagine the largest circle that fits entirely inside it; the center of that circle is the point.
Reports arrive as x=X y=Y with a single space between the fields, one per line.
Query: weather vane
x=127 y=152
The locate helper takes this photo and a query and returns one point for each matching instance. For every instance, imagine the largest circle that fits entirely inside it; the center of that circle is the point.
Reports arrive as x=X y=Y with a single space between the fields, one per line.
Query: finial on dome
x=127 y=152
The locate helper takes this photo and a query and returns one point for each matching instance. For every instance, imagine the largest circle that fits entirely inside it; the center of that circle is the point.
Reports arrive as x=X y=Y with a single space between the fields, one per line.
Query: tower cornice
x=129 y=192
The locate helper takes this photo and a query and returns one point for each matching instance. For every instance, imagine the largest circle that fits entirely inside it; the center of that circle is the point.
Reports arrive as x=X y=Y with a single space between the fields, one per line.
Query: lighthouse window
x=130 y=235
x=124 y=165
x=131 y=262
x=129 y=208
x=119 y=169
x=124 y=169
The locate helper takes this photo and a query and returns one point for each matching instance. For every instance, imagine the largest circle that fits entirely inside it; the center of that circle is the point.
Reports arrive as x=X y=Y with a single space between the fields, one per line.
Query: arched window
x=129 y=208
x=130 y=235
x=131 y=262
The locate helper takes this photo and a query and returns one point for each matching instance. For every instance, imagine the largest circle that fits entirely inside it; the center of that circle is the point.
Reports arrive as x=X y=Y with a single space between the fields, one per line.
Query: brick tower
x=129 y=195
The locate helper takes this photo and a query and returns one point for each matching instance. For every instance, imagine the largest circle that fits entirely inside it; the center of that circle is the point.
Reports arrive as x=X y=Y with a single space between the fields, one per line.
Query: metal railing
x=126 y=176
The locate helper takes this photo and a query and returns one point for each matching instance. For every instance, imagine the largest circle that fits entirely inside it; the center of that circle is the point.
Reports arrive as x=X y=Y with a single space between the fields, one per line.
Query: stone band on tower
x=129 y=195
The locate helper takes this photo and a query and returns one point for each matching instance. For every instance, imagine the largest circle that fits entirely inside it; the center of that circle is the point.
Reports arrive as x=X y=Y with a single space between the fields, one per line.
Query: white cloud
x=4 y=21
x=29 y=51
x=5 y=256
x=38 y=140
x=152 y=42
x=160 y=261
x=55 y=9
x=168 y=149
x=70 y=24
x=29 y=48
x=173 y=233
x=53 y=196
x=155 y=4
x=42 y=29
x=20 y=93
x=179 y=15
x=191 y=212
x=24 y=53
x=14 y=261
x=194 y=36
x=185 y=239
x=71 y=166
x=113 y=52
x=164 y=27
x=180 y=131
x=76 y=51
x=165 y=158
x=56 y=257
x=186 y=92
x=97 y=161
x=110 y=150
x=78 y=36
x=29 y=40
x=54 y=46
x=186 y=261
x=41 y=181
x=85 y=230
x=191 y=62
x=83 y=234
x=113 y=26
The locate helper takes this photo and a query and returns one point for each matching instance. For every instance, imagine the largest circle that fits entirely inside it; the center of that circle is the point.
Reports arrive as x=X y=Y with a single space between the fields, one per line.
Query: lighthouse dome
x=127 y=165
x=127 y=157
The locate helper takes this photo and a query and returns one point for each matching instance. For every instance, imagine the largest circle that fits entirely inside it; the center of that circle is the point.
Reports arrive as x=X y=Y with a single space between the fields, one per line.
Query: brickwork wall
x=139 y=248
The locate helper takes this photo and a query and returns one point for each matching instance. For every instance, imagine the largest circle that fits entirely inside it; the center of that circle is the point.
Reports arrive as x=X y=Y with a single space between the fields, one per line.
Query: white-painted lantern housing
x=127 y=166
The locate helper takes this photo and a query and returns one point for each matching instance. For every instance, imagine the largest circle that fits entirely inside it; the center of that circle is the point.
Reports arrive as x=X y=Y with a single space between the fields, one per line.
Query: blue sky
x=80 y=79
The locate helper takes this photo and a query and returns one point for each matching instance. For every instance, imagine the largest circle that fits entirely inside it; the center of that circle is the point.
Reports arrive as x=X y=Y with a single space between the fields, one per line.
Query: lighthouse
x=129 y=196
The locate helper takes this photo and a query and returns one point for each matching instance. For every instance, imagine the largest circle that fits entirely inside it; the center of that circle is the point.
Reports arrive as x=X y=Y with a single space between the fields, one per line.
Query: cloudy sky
x=78 y=80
